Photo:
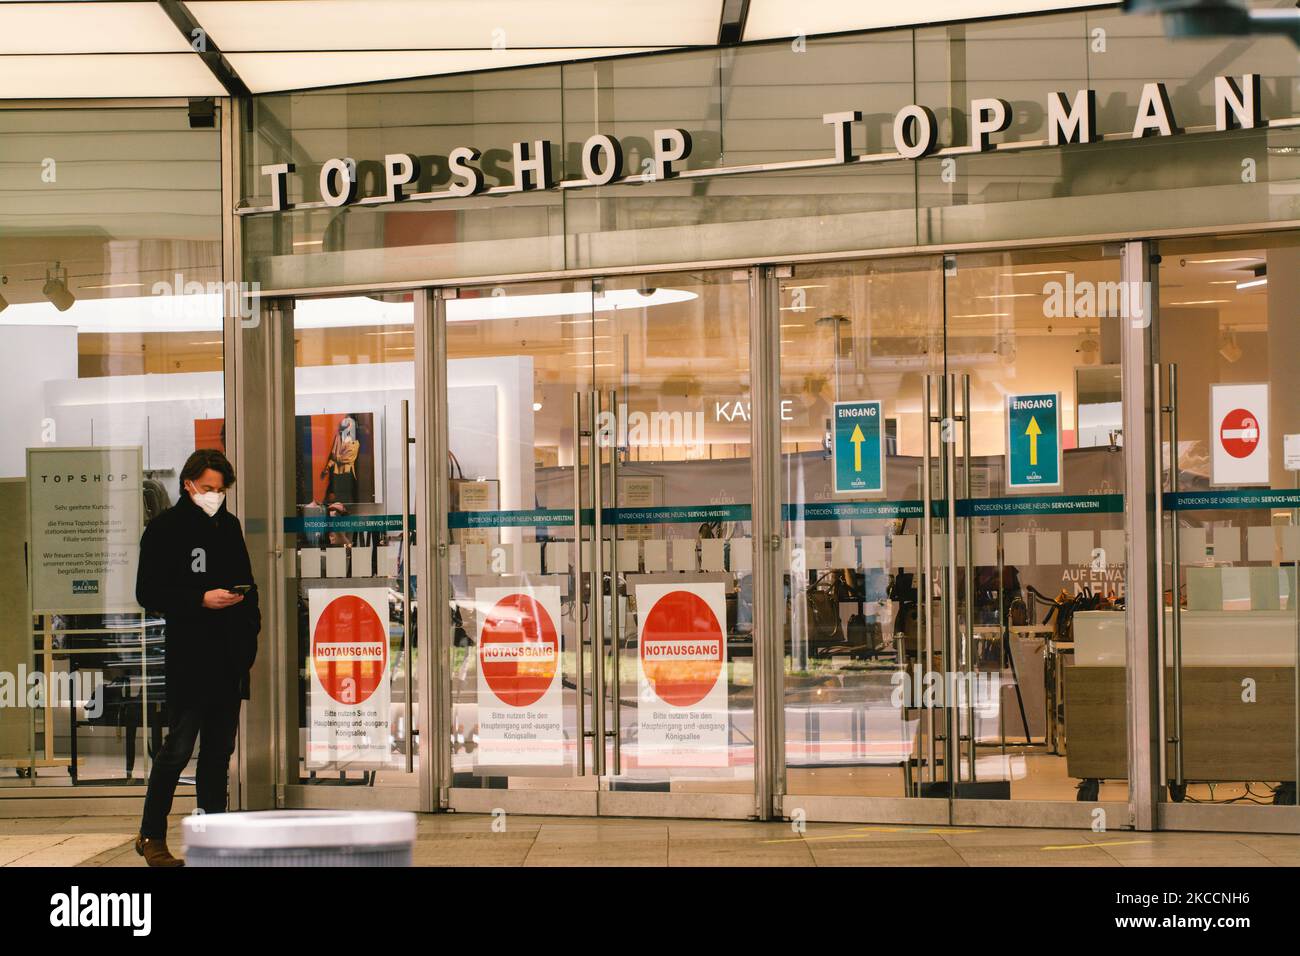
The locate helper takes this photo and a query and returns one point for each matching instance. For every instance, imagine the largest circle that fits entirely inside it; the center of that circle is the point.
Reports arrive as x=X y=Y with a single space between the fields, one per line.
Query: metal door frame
x=277 y=316
x=1145 y=808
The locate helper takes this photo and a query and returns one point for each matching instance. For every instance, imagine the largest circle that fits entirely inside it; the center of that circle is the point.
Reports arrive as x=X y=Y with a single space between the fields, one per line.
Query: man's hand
x=220 y=598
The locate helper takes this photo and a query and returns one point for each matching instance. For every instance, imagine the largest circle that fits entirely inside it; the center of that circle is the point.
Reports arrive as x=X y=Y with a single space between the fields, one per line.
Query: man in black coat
x=194 y=568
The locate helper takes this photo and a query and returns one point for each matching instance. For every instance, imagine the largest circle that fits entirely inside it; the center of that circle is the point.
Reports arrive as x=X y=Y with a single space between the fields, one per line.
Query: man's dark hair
x=201 y=461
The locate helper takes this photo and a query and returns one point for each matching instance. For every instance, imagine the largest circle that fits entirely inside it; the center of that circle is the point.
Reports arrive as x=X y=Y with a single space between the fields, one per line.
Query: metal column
x=769 y=603
x=1141 y=532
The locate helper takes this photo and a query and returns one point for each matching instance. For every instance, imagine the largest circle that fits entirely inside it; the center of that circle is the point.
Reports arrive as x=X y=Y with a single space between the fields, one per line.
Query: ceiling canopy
x=197 y=48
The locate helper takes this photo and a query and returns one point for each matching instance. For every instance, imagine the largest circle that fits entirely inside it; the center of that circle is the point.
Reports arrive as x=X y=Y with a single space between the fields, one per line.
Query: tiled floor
x=471 y=840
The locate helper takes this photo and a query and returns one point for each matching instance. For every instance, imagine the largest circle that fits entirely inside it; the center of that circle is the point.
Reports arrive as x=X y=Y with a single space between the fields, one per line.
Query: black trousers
x=216 y=722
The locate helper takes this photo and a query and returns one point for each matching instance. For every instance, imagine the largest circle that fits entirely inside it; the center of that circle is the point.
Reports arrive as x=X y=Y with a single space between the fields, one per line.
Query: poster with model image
x=682 y=717
x=335 y=453
x=520 y=706
x=85 y=511
x=347 y=665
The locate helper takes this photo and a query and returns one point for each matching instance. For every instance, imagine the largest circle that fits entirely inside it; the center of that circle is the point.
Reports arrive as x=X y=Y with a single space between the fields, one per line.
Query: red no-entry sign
x=1239 y=432
x=1239 y=442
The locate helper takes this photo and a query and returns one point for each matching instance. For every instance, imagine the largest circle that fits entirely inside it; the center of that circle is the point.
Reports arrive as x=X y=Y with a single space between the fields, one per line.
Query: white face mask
x=209 y=501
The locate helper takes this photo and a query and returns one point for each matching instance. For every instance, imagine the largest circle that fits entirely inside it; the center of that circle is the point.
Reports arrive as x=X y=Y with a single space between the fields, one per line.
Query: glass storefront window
x=111 y=367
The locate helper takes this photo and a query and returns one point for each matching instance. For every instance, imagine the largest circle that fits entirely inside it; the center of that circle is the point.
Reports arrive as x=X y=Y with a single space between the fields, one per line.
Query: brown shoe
x=155 y=852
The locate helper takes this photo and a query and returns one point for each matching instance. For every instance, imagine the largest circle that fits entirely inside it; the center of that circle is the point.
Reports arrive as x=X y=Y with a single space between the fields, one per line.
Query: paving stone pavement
x=481 y=840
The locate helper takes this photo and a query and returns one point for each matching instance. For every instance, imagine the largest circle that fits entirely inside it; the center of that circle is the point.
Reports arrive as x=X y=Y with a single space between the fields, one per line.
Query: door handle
x=1175 y=559
x=579 y=679
x=924 y=586
x=597 y=591
x=616 y=623
x=407 y=441
x=948 y=451
x=968 y=592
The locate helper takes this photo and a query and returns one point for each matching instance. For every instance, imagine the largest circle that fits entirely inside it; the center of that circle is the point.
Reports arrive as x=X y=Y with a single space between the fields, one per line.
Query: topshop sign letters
x=1070 y=120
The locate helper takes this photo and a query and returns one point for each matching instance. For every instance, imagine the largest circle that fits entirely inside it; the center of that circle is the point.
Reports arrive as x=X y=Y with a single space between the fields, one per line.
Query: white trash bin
x=299 y=838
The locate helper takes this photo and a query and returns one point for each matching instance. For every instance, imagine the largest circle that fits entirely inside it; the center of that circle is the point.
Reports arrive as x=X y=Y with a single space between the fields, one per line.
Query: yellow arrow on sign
x=857 y=438
x=1033 y=431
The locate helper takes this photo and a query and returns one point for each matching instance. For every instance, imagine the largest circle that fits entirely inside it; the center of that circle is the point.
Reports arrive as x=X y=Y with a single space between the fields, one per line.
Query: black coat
x=184 y=554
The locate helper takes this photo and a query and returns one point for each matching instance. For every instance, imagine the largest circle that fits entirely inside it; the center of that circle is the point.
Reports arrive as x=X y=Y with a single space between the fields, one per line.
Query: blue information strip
x=319 y=524
x=840 y=510
x=1041 y=505
x=1243 y=499
x=536 y=518
x=819 y=511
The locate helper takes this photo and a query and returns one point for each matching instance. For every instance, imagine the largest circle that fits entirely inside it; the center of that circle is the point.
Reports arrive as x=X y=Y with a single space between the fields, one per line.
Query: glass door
x=1034 y=561
x=674 y=475
x=600 y=631
x=348 y=483
x=862 y=439
x=521 y=402
x=1228 y=356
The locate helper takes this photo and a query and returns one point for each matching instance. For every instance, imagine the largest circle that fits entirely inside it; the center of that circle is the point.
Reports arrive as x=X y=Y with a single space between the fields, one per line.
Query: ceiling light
x=1013 y=295
x=1200 y=302
x=472 y=309
x=203 y=311
x=1018 y=275
x=114 y=285
x=984 y=315
x=1216 y=262
x=1260 y=279
x=56 y=288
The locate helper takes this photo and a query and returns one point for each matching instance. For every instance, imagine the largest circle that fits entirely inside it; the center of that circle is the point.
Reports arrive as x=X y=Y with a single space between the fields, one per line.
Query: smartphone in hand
x=240 y=588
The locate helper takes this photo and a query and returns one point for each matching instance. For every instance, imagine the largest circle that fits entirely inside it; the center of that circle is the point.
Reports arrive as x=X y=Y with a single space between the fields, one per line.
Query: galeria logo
x=75 y=909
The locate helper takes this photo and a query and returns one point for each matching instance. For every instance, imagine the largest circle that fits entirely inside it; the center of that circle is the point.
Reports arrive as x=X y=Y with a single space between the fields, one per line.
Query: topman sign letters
x=1070 y=119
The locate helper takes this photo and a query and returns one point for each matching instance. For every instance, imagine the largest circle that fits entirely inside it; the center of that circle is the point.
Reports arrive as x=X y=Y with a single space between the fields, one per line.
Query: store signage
x=1239 y=435
x=349 y=710
x=1291 y=452
x=520 y=708
x=858 y=449
x=85 y=507
x=1071 y=119
x=1034 y=441
x=682 y=718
